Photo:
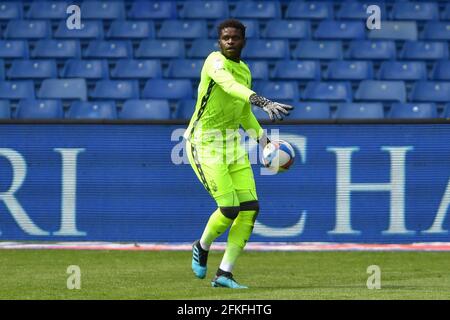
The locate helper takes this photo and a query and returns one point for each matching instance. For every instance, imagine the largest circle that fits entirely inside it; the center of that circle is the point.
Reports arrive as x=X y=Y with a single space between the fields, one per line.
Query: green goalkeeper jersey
x=223 y=102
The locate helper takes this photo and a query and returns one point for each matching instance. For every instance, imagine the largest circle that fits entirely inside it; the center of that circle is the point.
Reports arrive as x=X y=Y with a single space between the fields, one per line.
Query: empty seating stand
x=5 y=109
x=92 y=110
x=39 y=109
x=360 y=111
x=413 y=111
x=145 y=57
x=185 y=109
x=310 y=111
x=145 y=110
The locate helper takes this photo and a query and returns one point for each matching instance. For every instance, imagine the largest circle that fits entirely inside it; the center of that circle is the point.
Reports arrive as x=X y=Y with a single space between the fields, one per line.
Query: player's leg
x=219 y=221
x=242 y=226
x=217 y=181
x=240 y=232
x=241 y=229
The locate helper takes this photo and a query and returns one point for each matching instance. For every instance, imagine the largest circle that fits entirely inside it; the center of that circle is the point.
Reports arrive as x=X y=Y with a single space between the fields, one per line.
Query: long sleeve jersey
x=223 y=101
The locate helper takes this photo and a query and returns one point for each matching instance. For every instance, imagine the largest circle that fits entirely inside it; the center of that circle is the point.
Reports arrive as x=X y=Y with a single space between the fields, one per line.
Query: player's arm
x=252 y=126
x=215 y=69
x=222 y=77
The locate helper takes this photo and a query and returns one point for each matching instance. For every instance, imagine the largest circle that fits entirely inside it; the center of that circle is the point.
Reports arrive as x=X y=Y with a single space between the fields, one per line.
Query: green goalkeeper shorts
x=228 y=182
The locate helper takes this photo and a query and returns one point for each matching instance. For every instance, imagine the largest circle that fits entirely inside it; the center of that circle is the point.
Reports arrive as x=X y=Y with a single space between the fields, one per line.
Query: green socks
x=238 y=236
x=217 y=225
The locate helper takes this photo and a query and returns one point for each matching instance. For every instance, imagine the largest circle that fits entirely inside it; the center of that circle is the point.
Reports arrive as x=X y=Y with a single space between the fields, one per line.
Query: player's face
x=231 y=43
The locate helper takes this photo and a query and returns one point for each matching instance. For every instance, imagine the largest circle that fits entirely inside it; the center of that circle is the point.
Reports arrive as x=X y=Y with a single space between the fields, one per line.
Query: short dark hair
x=231 y=23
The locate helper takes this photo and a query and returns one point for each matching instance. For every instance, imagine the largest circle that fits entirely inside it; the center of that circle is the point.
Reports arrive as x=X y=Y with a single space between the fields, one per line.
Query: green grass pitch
x=42 y=274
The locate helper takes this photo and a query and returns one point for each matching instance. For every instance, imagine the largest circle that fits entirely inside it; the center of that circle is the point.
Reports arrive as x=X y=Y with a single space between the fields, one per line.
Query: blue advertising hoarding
x=362 y=183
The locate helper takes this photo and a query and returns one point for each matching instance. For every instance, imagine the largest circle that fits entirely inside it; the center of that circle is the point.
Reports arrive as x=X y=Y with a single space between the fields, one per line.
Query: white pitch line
x=253 y=246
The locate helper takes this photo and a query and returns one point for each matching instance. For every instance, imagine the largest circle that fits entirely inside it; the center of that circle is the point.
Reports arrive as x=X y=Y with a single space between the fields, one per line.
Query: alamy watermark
x=74 y=279
x=213 y=146
x=374 y=20
x=74 y=20
x=374 y=280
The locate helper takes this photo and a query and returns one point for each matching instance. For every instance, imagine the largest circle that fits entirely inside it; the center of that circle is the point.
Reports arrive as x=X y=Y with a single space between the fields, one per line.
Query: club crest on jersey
x=218 y=64
x=213 y=185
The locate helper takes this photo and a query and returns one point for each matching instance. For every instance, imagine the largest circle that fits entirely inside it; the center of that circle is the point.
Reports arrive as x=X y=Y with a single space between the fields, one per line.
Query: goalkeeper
x=220 y=163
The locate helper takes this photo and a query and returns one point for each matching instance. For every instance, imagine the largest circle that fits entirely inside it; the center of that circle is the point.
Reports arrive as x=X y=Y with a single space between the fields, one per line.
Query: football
x=278 y=156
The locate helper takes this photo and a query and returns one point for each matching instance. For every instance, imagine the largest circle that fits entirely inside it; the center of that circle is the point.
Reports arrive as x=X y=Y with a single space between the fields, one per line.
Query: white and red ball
x=278 y=156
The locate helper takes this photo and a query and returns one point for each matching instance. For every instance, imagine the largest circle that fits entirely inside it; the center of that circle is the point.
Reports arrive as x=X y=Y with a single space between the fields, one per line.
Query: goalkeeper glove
x=274 y=109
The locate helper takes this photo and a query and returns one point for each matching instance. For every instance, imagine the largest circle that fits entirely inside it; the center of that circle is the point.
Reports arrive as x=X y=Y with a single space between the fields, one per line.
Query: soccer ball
x=278 y=156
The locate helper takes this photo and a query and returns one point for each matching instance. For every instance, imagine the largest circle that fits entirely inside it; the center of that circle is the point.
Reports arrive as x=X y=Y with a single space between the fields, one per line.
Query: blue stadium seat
x=257 y=10
x=92 y=110
x=441 y=70
x=145 y=109
x=89 y=69
x=185 y=109
x=116 y=89
x=446 y=113
x=204 y=10
x=403 y=70
x=326 y=50
x=13 y=49
x=374 y=90
x=446 y=13
x=360 y=111
x=309 y=10
x=160 y=49
x=48 y=10
x=2 y=69
x=183 y=29
x=129 y=69
x=39 y=109
x=330 y=29
x=11 y=10
x=415 y=11
x=201 y=48
x=287 y=29
x=57 y=49
x=372 y=50
x=435 y=30
x=416 y=50
x=328 y=91
x=27 y=29
x=22 y=89
x=395 y=30
x=109 y=49
x=358 y=10
x=63 y=89
x=413 y=111
x=131 y=30
x=310 y=110
x=251 y=28
x=430 y=91
x=349 y=70
x=90 y=29
x=296 y=70
x=266 y=49
x=167 y=89
x=153 y=10
x=5 y=109
x=280 y=91
x=259 y=69
x=33 y=69
x=103 y=9
x=185 y=68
